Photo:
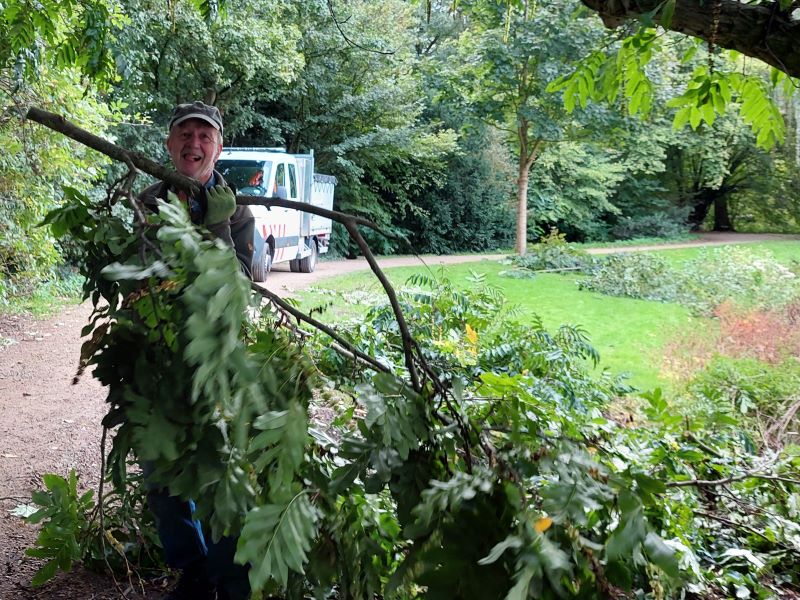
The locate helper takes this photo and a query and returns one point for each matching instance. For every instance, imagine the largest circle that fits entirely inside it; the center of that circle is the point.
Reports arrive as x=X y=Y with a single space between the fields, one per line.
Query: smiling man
x=194 y=143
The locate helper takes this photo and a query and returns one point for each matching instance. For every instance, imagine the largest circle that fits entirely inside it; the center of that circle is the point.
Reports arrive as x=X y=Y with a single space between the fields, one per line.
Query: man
x=194 y=144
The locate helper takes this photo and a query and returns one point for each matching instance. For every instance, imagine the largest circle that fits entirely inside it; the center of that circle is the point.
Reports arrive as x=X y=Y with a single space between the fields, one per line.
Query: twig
x=777 y=429
x=347 y=39
x=14 y=499
x=285 y=306
x=408 y=341
x=703 y=446
x=717 y=482
x=102 y=515
x=734 y=524
x=335 y=215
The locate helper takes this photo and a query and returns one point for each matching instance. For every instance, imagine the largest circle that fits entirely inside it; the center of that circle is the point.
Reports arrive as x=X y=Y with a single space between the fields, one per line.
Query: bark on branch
x=137 y=159
x=762 y=31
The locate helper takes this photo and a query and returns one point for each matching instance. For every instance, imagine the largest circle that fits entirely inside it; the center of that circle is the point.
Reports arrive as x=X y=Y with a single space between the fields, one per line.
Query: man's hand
x=221 y=204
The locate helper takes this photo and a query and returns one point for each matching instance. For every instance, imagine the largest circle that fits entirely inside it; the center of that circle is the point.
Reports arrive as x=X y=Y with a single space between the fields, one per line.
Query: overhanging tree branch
x=761 y=31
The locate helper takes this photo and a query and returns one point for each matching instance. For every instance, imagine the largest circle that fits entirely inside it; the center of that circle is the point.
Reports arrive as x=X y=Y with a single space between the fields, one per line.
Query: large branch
x=140 y=161
x=351 y=223
x=58 y=123
x=758 y=30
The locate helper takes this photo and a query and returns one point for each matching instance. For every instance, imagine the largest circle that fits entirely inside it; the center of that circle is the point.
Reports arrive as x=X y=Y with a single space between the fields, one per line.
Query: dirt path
x=48 y=424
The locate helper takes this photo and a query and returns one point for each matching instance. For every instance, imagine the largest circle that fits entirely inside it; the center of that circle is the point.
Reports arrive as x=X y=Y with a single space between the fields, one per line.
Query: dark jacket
x=237 y=232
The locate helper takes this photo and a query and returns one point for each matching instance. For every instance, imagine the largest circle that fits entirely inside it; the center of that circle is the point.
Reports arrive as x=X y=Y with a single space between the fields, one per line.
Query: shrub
x=657 y=224
x=553 y=253
x=765 y=395
x=72 y=529
x=750 y=279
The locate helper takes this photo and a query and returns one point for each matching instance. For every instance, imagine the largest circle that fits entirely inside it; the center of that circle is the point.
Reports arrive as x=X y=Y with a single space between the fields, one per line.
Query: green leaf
x=343 y=477
x=631 y=530
x=512 y=542
x=667 y=11
x=681 y=118
x=45 y=574
x=661 y=555
x=695 y=117
x=522 y=582
x=709 y=115
x=276 y=538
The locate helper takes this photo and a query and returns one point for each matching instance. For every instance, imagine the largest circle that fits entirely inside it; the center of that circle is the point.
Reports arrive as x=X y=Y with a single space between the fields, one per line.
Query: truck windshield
x=249 y=176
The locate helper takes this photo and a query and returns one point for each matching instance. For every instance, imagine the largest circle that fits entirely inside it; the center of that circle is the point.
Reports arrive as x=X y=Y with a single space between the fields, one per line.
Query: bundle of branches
x=474 y=460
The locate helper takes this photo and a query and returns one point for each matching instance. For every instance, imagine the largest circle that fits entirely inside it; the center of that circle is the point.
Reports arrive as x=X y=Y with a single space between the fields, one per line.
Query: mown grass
x=786 y=252
x=631 y=335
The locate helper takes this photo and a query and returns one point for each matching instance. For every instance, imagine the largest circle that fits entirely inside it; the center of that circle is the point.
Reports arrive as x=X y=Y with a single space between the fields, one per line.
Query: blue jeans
x=185 y=546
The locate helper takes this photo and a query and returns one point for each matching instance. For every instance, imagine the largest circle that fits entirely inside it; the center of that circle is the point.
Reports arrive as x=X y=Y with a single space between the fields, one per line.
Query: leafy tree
x=168 y=54
x=574 y=187
x=36 y=166
x=67 y=33
x=705 y=171
x=473 y=208
x=505 y=61
x=357 y=104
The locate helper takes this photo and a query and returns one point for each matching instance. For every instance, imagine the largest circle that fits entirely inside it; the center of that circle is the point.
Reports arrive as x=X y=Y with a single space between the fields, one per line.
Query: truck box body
x=282 y=234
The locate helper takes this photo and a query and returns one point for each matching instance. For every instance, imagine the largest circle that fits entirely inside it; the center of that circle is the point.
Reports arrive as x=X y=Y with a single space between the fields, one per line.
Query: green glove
x=221 y=204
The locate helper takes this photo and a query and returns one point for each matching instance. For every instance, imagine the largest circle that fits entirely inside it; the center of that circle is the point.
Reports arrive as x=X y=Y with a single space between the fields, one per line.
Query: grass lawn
x=630 y=335
x=783 y=251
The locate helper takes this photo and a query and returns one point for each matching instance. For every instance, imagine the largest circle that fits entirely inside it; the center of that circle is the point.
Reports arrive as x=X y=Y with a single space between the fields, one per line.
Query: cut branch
x=140 y=161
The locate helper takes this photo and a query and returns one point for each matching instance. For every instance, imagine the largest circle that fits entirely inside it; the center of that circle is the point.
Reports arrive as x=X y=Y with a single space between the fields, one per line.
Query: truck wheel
x=262 y=263
x=309 y=263
x=294 y=265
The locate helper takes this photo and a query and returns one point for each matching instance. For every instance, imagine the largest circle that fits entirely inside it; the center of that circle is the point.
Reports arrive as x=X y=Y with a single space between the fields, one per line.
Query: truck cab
x=281 y=234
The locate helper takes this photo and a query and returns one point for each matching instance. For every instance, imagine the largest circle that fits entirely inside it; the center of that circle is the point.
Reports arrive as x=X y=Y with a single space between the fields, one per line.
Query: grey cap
x=196 y=110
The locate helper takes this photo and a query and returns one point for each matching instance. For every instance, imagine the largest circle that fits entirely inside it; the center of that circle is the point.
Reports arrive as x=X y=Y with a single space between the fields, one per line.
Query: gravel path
x=50 y=424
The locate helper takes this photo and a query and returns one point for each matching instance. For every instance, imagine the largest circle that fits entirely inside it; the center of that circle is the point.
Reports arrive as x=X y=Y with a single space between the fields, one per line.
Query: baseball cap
x=196 y=110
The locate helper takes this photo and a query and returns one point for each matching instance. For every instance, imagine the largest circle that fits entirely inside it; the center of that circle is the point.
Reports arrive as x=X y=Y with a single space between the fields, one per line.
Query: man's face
x=194 y=147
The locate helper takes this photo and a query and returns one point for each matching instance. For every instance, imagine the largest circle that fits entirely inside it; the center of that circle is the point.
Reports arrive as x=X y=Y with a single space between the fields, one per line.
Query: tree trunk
x=700 y=210
x=522 y=206
x=796 y=104
x=722 y=219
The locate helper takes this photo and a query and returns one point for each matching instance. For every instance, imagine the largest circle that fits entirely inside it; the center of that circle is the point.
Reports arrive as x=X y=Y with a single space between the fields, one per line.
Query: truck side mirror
x=283 y=194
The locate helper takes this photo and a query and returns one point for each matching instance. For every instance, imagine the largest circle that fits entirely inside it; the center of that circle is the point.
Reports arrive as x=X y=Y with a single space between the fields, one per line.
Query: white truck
x=281 y=234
